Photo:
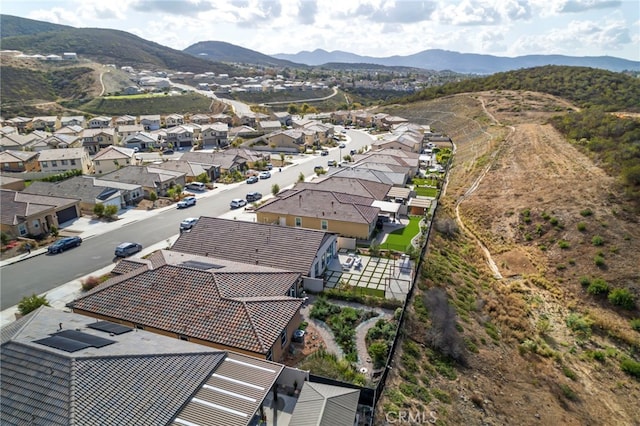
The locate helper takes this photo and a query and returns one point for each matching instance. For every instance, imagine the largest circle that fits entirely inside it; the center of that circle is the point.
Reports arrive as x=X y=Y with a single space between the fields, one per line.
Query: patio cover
x=397 y=192
x=387 y=206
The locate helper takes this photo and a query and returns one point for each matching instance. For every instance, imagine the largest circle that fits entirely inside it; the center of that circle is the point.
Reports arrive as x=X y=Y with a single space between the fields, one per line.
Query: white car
x=237 y=203
x=188 y=223
x=264 y=175
x=186 y=202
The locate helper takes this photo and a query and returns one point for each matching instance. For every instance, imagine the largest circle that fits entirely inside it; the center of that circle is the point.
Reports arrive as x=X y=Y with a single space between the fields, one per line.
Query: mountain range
x=467 y=63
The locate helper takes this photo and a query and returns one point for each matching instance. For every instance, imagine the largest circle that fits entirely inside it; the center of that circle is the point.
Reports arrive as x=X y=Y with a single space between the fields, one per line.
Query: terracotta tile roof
x=293 y=249
x=191 y=302
x=323 y=204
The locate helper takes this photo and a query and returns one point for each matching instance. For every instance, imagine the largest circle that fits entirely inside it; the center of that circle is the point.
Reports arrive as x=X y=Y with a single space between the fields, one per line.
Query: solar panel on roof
x=63 y=343
x=200 y=265
x=89 y=339
x=110 y=327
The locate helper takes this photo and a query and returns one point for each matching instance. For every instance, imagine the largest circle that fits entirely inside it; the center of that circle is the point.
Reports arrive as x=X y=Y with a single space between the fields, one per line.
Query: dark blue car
x=64 y=244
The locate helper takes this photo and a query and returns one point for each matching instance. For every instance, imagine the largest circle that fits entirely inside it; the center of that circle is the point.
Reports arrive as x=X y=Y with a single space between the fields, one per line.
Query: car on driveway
x=236 y=203
x=186 y=202
x=253 y=196
x=342 y=145
x=188 y=223
x=64 y=244
x=127 y=249
x=252 y=179
x=264 y=175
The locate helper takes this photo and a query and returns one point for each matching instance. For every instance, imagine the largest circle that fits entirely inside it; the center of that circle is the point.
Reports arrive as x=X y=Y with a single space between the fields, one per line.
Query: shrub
x=586 y=212
x=622 y=297
x=597 y=287
x=635 y=324
x=597 y=240
x=378 y=352
x=110 y=210
x=441 y=395
x=585 y=281
x=4 y=237
x=630 y=367
x=31 y=303
x=563 y=244
x=275 y=188
x=568 y=392
x=599 y=261
x=569 y=373
x=579 y=325
x=98 y=209
x=581 y=226
x=89 y=283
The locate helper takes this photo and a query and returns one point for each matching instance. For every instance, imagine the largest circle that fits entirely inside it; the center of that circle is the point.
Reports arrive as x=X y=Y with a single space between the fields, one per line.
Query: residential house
x=180 y=136
x=19 y=161
x=191 y=170
x=125 y=120
x=407 y=141
x=8 y=130
x=222 y=118
x=200 y=119
x=341 y=117
x=58 y=141
x=408 y=159
x=47 y=123
x=214 y=135
x=65 y=159
x=126 y=130
x=323 y=132
x=283 y=117
x=251 y=119
x=362 y=118
x=96 y=139
x=151 y=179
x=90 y=191
x=74 y=120
x=305 y=251
x=290 y=140
x=397 y=179
x=100 y=122
x=268 y=126
x=150 y=122
x=244 y=132
x=215 y=302
x=348 y=215
x=173 y=120
x=19 y=142
x=335 y=183
x=24 y=214
x=114 y=157
x=143 y=141
x=390 y=121
x=14 y=184
x=73 y=130
x=224 y=161
x=20 y=123
x=116 y=374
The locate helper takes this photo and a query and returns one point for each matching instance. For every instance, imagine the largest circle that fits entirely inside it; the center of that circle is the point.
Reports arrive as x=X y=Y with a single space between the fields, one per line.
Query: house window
x=324 y=225
x=269 y=356
x=139 y=327
x=44 y=164
x=20 y=164
x=73 y=162
x=298 y=222
x=64 y=162
x=22 y=229
x=6 y=165
x=54 y=163
x=181 y=337
x=283 y=337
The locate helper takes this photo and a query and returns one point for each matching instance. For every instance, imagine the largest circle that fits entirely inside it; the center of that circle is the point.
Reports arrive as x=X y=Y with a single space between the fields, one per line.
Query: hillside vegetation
x=150 y=104
x=555 y=339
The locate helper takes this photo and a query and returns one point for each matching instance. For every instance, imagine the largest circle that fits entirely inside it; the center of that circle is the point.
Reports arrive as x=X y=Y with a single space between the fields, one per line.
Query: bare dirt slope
x=540 y=349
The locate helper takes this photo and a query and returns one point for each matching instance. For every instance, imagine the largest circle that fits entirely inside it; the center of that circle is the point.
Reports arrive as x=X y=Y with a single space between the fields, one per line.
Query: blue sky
x=367 y=27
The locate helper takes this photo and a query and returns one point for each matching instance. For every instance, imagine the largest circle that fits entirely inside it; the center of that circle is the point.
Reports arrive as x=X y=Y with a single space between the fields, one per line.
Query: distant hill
x=220 y=51
x=467 y=63
x=101 y=45
x=11 y=26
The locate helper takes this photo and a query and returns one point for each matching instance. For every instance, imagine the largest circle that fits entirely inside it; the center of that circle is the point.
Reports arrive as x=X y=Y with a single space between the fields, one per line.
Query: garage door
x=67 y=214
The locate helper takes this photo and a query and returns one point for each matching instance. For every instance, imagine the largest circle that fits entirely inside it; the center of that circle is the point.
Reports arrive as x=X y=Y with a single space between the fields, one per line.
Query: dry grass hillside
x=535 y=340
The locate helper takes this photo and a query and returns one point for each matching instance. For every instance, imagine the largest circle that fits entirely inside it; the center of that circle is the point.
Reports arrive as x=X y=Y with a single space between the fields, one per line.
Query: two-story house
x=173 y=120
x=150 y=122
x=65 y=159
x=113 y=158
x=125 y=120
x=214 y=135
x=74 y=120
x=96 y=139
x=126 y=130
x=180 y=136
x=100 y=122
x=141 y=140
x=19 y=161
x=47 y=123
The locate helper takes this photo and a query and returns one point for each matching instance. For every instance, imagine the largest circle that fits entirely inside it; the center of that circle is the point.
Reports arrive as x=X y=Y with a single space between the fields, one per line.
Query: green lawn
x=401 y=238
x=427 y=192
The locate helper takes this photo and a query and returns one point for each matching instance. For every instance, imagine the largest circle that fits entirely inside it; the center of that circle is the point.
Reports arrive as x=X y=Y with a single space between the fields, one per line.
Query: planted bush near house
x=31 y=303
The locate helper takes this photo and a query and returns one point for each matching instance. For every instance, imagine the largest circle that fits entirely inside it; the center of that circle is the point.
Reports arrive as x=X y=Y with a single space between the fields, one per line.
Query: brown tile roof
x=366 y=188
x=17 y=205
x=191 y=302
x=323 y=204
x=292 y=249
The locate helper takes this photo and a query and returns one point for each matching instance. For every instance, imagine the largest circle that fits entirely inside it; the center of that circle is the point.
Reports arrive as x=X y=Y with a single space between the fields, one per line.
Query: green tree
x=301 y=177
x=31 y=303
x=275 y=188
x=203 y=178
x=110 y=210
x=374 y=248
x=5 y=238
x=292 y=109
x=378 y=352
x=153 y=197
x=98 y=209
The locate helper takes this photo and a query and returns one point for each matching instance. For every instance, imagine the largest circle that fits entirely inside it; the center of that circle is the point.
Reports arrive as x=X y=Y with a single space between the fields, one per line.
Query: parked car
x=332 y=163
x=186 y=202
x=252 y=179
x=253 y=196
x=342 y=145
x=237 y=203
x=64 y=244
x=127 y=249
x=167 y=152
x=353 y=152
x=196 y=186
x=188 y=223
x=318 y=169
x=324 y=152
x=264 y=175
x=269 y=166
